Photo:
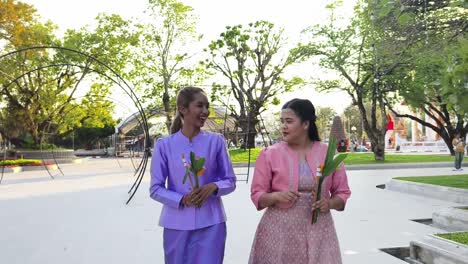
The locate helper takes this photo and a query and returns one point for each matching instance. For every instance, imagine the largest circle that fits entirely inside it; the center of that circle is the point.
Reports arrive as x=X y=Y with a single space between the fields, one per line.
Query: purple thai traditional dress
x=191 y=234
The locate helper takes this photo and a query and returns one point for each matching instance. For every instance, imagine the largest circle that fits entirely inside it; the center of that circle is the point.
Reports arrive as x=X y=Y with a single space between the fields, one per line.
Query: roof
x=215 y=122
x=220 y=119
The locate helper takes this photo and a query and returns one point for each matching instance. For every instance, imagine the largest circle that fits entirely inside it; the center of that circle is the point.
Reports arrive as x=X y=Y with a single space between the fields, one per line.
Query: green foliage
x=455 y=77
x=324 y=117
x=43 y=97
x=162 y=62
x=112 y=42
x=394 y=51
x=248 y=58
x=331 y=161
x=20 y=27
x=195 y=168
x=20 y=162
x=330 y=165
x=85 y=137
x=42 y=146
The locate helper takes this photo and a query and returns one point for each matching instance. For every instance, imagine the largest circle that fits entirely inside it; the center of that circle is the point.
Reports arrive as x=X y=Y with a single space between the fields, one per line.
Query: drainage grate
x=380 y=186
x=398 y=252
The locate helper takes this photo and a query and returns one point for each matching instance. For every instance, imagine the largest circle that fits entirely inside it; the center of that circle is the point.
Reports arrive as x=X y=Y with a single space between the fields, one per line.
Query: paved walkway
x=82 y=217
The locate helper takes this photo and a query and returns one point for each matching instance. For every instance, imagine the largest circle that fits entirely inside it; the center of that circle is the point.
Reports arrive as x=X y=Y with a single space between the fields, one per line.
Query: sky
x=213 y=16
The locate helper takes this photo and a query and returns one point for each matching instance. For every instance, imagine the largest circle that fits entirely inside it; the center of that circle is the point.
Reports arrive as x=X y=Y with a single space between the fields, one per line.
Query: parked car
x=361 y=149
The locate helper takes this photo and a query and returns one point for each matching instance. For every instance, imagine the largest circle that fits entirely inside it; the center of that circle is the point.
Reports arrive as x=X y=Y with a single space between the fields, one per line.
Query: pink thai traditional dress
x=286 y=235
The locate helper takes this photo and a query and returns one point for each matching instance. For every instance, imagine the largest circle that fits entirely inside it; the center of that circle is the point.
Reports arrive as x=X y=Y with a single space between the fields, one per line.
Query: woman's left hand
x=200 y=195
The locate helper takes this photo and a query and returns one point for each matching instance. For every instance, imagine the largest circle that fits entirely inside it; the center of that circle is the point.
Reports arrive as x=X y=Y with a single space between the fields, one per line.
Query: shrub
x=20 y=162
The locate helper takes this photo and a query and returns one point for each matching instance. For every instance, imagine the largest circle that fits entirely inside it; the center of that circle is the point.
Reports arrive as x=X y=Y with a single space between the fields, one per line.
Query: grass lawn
x=455 y=181
x=461 y=238
x=240 y=155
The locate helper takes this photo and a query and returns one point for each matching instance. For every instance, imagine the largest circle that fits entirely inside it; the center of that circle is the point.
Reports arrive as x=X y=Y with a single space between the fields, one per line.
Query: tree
x=16 y=19
x=353 y=117
x=324 y=117
x=347 y=51
x=434 y=80
x=435 y=88
x=372 y=52
x=164 y=54
x=39 y=86
x=249 y=58
x=22 y=89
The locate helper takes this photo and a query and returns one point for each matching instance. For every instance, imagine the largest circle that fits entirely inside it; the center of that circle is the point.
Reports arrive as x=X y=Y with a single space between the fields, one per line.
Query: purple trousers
x=199 y=246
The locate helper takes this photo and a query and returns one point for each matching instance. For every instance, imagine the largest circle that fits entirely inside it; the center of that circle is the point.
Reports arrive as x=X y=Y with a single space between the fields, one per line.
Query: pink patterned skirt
x=287 y=236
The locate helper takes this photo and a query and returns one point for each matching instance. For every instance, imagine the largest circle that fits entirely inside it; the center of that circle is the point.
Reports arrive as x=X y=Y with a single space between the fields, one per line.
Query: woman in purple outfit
x=193 y=219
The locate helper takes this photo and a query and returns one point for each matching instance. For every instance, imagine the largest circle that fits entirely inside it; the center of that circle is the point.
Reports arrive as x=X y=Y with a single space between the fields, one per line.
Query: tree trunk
x=448 y=141
x=35 y=136
x=378 y=146
x=248 y=126
x=167 y=110
x=375 y=135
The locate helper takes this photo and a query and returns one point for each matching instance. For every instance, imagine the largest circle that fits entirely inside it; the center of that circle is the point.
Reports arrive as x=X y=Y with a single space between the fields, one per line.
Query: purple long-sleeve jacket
x=167 y=165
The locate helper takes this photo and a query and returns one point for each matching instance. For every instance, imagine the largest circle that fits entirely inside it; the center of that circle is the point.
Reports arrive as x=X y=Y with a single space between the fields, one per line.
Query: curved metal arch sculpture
x=120 y=82
x=139 y=124
x=48 y=132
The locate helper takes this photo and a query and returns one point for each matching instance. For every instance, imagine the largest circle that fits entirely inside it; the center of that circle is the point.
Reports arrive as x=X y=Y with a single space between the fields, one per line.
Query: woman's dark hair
x=305 y=110
x=184 y=98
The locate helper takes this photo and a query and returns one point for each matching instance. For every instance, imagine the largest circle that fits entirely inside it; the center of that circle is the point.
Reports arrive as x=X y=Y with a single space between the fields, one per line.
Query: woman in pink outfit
x=284 y=183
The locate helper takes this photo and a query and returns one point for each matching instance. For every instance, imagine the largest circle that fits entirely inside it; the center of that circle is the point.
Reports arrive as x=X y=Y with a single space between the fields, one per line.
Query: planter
x=437 y=250
x=451 y=219
x=455 y=195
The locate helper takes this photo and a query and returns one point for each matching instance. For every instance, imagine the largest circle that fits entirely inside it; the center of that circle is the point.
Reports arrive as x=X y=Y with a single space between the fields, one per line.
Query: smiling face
x=196 y=113
x=294 y=130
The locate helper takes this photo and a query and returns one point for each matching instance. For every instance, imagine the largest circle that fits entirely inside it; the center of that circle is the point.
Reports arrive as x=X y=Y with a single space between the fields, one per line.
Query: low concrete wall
x=41 y=167
x=436 y=250
x=28 y=168
x=433 y=191
x=11 y=170
x=451 y=219
x=46 y=154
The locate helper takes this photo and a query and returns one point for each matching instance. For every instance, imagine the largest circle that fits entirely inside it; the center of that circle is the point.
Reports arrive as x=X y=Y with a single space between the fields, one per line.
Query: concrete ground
x=82 y=217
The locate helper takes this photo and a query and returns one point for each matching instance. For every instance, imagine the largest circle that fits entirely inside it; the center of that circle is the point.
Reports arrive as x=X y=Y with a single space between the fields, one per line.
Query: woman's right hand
x=285 y=197
x=187 y=200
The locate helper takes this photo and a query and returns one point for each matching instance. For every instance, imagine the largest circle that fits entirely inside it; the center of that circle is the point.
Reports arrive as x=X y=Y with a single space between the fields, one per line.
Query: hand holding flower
x=323 y=205
x=200 y=195
x=330 y=165
x=187 y=199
